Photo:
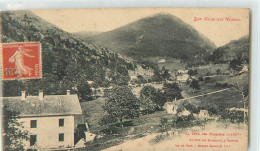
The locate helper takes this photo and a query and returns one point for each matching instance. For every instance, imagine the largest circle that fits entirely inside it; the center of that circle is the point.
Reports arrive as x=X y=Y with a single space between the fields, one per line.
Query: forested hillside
x=67 y=63
x=236 y=49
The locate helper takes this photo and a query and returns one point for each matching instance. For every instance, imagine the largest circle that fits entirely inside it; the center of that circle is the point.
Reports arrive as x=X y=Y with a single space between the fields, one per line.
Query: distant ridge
x=232 y=50
x=86 y=34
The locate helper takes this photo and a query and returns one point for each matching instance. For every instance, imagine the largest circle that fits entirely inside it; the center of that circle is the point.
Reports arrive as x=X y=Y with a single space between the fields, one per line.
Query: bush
x=192 y=72
x=195 y=85
x=141 y=79
x=208 y=74
x=188 y=82
x=185 y=121
x=190 y=107
x=223 y=85
x=218 y=72
x=201 y=79
x=163 y=122
x=162 y=137
x=218 y=85
x=233 y=116
x=207 y=79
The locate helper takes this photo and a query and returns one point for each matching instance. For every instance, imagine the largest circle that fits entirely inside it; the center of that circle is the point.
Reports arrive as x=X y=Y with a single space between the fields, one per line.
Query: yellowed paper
x=126 y=79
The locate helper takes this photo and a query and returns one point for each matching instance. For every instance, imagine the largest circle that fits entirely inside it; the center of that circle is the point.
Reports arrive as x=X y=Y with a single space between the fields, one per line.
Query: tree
x=218 y=71
x=160 y=99
x=195 y=85
x=172 y=91
x=207 y=79
x=201 y=79
x=157 y=76
x=13 y=132
x=109 y=121
x=141 y=79
x=217 y=56
x=121 y=103
x=166 y=74
x=151 y=99
x=192 y=72
x=120 y=76
x=208 y=74
x=243 y=90
x=236 y=64
x=163 y=68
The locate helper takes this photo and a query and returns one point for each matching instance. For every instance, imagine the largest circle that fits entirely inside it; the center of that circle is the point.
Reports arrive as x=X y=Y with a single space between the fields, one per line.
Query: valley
x=149 y=81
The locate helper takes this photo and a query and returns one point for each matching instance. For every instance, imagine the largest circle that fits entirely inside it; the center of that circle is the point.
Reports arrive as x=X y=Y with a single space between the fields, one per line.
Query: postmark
x=21 y=61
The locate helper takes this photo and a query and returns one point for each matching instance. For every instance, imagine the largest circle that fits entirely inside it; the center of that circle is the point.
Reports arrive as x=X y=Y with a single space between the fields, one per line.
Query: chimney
x=68 y=92
x=40 y=94
x=23 y=94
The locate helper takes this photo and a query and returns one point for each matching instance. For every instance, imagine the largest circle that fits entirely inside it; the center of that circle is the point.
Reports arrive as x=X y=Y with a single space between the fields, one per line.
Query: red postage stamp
x=21 y=61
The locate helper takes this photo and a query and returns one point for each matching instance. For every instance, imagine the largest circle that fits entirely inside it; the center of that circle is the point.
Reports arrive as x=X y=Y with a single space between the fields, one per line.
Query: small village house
x=48 y=118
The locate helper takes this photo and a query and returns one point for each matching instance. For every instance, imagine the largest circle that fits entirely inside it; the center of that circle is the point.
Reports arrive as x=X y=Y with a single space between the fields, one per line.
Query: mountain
x=67 y=63
x=235 y=49
x=158 y=35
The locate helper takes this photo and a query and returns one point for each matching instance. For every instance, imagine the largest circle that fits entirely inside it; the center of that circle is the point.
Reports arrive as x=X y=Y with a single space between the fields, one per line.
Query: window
x=61 y=122
x=61 y=137
x=33 y=139
x=33 y=123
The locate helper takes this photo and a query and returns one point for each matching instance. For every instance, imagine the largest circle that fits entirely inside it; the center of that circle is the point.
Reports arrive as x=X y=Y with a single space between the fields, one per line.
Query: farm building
x=171 y=107
x=49 y=119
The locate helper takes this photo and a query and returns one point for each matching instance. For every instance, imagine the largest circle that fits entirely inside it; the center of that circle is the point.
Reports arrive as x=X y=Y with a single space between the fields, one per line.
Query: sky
x=106 y=19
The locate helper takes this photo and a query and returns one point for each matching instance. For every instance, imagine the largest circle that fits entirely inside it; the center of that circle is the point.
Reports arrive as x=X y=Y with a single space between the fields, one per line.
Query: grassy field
x=170 y=63
x=203 y=70
x=94 y=113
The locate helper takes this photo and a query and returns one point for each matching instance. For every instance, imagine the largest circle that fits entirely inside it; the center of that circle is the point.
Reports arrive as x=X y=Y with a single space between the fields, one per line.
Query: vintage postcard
x=125 y=79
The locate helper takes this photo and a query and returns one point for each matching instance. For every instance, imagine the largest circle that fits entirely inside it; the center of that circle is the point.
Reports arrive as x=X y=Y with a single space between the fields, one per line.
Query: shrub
x=201 y=79
x=195 y=85
x=207 y=79
x=163 y=122
x=233 y=116
x=208 y=74
x=218 y=72
x=192 y=72
x=223 y=85
x=190 y=107
x=185 y=121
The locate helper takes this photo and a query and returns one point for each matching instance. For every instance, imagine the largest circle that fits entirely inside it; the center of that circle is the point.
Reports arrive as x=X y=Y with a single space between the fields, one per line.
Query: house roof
x=50 y=105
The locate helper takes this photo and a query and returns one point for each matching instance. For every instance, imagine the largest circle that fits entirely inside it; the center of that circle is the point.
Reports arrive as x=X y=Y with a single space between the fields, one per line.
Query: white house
x=182 y=78
x=172 y=107
x=48 y=118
